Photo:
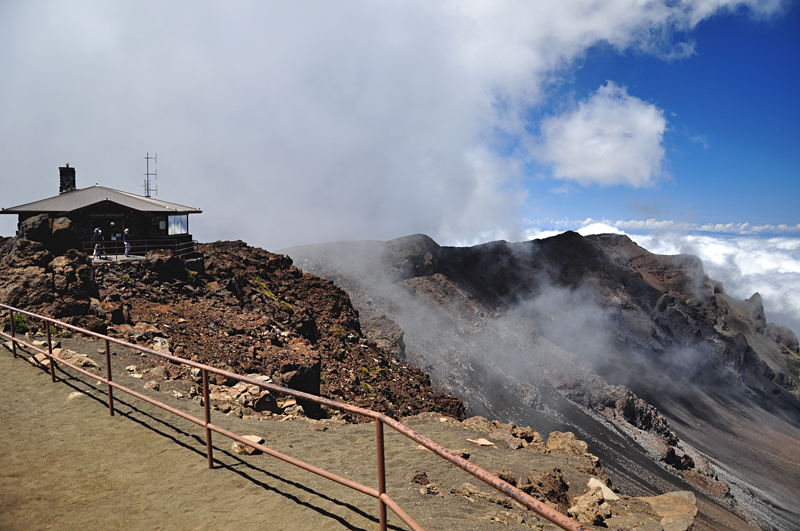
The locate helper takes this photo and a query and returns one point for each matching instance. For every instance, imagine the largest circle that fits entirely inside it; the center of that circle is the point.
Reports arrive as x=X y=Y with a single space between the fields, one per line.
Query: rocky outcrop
x=56 y=235
x=250 y=311
x=42 y=277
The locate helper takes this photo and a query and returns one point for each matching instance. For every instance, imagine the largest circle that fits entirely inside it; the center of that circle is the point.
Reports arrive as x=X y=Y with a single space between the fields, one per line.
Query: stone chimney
x=67 y=179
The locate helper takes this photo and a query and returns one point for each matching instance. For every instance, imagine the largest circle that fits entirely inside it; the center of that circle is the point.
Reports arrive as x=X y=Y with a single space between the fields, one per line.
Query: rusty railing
x=380 y=419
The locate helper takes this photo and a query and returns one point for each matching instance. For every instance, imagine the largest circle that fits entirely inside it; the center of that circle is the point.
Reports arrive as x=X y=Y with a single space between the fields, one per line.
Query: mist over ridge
x=554 y=333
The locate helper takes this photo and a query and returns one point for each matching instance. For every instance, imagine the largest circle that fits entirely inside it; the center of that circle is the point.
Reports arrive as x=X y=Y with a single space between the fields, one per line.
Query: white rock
x=131 y=368
x=608 y=494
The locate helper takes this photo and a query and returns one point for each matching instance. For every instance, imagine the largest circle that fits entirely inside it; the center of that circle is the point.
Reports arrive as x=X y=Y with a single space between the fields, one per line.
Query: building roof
x=85 y=197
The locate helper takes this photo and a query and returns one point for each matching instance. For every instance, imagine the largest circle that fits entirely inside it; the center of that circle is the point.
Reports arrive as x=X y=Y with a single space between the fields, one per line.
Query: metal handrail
x=141 y=247
x=384 y=500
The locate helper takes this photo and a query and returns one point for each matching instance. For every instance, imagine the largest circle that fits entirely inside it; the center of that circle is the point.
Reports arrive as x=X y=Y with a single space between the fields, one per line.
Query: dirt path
x=67 y=464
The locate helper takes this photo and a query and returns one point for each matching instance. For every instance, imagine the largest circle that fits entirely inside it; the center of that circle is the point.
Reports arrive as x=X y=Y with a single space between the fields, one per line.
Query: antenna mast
x=147 y=187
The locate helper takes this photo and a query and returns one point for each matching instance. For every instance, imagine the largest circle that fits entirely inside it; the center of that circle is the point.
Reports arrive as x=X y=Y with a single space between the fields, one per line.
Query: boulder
x=79 y=360
x=676 y=509
x=304 y=378
x=565 y=444
x=161 y=344
x=608 y=494
x=166 y=265
x=590 y=508
x=551 y=487
x=266 y=402
x=243 y=449
x=56 y=235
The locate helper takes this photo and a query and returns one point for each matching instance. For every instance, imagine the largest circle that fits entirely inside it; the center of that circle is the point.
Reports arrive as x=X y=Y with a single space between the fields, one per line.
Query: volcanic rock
x=572 y=332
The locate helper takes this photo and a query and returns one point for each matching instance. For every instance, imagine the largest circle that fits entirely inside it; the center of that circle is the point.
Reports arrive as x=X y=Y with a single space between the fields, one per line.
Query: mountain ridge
x=656 y=325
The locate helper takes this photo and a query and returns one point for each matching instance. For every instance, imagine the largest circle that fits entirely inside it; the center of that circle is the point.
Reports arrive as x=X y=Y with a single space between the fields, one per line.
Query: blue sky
x=310 y=121
x=731 y=143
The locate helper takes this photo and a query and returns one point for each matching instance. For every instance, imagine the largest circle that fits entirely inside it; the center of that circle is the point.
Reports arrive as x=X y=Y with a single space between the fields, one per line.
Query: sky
x=299 y=122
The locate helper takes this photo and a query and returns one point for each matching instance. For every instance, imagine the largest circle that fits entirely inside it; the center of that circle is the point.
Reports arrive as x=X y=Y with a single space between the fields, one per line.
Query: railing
x=116 y=248
x=380 y=419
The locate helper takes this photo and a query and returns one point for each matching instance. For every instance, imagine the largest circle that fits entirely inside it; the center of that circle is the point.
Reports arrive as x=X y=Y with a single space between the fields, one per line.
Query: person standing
x=97 y=237
x=101 y=246
x=126 y=238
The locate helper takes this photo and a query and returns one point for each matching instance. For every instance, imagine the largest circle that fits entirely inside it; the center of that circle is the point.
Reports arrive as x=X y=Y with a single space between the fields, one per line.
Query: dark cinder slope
x=592 y=335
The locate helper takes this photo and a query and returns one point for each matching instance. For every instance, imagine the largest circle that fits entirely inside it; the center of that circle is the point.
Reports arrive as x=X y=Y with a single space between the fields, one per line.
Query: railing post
x=108 y=377
x=50 y=352
x=207 y=407
x=381 y=472
x=13 y=335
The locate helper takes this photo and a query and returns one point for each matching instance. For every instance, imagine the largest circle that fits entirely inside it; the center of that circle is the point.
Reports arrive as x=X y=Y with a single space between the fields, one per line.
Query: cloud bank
x=298 y=122
x=611 y=138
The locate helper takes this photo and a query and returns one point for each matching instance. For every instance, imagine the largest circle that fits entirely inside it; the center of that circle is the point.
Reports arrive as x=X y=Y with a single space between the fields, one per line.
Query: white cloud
x=666 y=225
x=294 y=122
x=611 y=138
x=598 y=228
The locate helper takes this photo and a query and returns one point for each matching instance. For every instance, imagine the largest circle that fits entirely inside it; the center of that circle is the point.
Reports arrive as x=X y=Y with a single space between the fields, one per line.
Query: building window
x=178 y=225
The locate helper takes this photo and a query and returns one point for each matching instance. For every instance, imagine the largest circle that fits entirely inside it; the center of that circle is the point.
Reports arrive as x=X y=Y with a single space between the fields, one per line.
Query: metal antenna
x=147 y=187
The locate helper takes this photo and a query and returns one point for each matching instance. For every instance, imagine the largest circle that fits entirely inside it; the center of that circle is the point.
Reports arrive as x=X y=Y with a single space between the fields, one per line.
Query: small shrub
x=262 y=288
x=367 y=388
x=125 y=278
x=21 y=326
x=286 y=306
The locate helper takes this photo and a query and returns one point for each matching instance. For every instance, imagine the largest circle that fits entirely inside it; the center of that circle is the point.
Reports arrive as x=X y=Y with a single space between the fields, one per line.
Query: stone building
x=158 y=222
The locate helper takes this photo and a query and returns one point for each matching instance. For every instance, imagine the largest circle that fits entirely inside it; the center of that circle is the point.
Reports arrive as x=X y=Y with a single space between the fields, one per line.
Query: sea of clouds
x=763 y=263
